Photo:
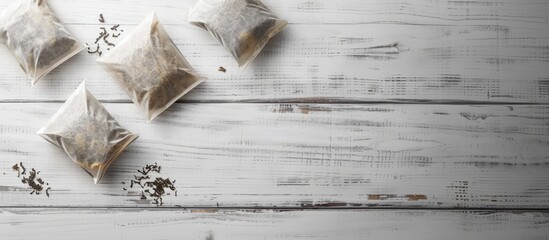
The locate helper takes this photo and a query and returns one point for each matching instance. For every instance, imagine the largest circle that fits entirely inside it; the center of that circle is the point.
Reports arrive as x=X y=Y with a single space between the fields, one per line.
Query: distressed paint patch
x=474 y=117
x=206 y=210
x=331 y=204
x=311 y=204
x=141 y=201
x=284 y=108
x=408 y=197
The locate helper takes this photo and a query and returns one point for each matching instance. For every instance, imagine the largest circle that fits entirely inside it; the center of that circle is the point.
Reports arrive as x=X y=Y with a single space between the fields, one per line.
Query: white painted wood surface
x=267 y=155
x=212 y=224
x=347 y=137
x=493 y=51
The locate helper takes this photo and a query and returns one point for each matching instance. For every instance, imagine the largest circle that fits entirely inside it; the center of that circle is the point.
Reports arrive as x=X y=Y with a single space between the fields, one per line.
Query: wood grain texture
x=212 y=224
x=342 y=51
x=305 y=155
x=435 y=12
x=347 y=156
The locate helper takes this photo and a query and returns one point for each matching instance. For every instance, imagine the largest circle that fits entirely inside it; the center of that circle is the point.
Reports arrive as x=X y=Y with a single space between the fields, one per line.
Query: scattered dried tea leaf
x=107 y=42
x=33 y=181
x=159 y=186
x=22 y=167
x=115 y=27
x=16 y=169
x=148 y=168
x=103 y=38
x=95 y=51
x=222 y=69
x=152 y=187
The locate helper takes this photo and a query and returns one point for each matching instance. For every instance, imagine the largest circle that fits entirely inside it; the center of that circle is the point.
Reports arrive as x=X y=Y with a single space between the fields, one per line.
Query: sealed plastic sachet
x=36 y=37
x=150 y=68
x=86 y=131
x=243 y=27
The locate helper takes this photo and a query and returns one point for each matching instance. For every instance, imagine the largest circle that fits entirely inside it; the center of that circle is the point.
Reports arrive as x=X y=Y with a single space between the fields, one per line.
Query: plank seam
x=434 y=102
x=292 y=208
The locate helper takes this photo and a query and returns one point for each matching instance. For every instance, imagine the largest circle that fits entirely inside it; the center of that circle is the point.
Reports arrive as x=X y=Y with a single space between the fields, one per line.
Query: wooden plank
x=440 y=12
x=305 y=155
x=212 y=224
x=462 y=52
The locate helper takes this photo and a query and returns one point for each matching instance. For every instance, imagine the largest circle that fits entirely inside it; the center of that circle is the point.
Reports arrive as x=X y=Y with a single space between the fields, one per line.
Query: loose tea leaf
x=102 y=39
x=36 y=186
x=243 y=27
x=159 y=186
x=36 y=37
x=96 y=50
x=149 y=168
x=154 y=189
x=115 y=27
x=88 y=133
x=150 y=68
x=22 y=167
x=35 y=183
x=107 y=42
x=222 y=69
x=16 y=169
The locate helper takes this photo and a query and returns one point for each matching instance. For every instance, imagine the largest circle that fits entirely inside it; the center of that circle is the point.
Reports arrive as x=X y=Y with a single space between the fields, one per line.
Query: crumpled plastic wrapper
x=243 y=27
x=87 y=133
x=150 y=68
x=36 y=37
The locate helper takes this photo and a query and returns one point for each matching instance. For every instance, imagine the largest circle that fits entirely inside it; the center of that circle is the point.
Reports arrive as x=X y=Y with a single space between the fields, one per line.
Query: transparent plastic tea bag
x=243 y=27
x=84 y=129
x=36 y=37
x=150 y=68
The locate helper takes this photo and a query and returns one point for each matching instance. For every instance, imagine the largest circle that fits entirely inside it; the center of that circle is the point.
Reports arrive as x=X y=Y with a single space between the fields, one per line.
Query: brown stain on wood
x=416 y=197
x=306 y=109
x=382 y=196
x=374 y=196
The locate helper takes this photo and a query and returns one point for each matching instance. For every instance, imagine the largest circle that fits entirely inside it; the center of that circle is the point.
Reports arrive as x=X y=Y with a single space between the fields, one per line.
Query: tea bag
x=243 y=27
x=150 y=68
x=36 y=37
x=87 y=133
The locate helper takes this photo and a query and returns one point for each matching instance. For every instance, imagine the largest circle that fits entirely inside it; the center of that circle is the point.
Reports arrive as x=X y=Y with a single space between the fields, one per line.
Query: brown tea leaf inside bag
x=150 y=68
x=36 y=37
x=243 y=27
x=87 y=133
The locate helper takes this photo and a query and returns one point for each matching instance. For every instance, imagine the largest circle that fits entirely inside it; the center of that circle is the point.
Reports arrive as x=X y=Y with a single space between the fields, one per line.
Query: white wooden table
x=380 y=119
